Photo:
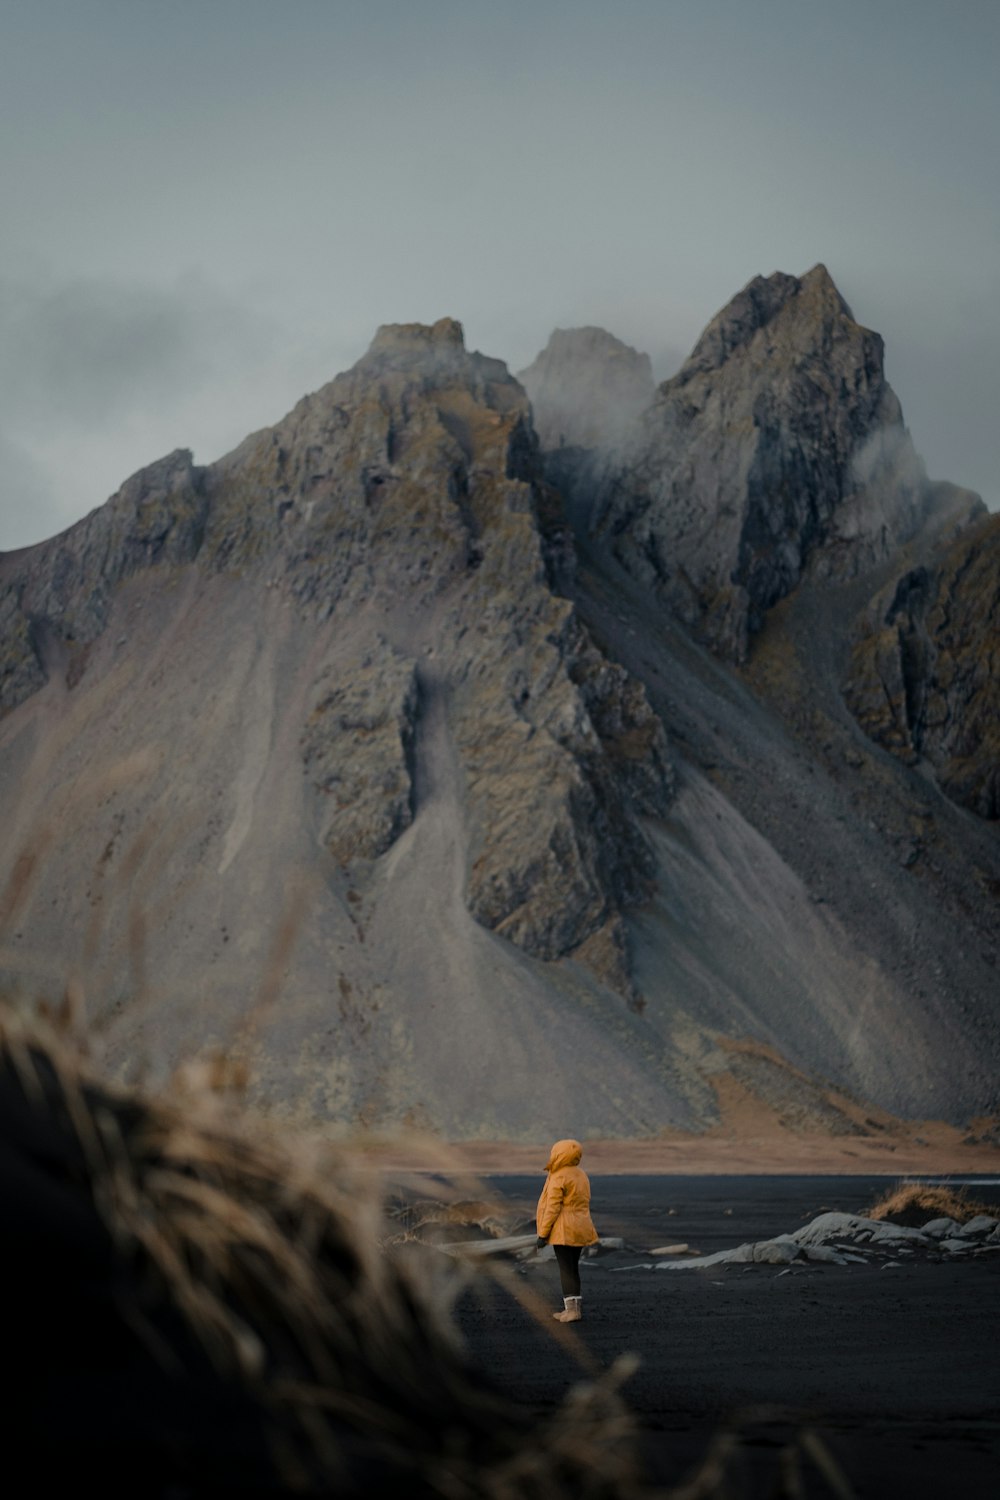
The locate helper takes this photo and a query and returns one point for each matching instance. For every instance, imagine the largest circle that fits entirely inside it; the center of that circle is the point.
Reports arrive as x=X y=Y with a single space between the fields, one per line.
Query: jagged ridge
x=778 y=446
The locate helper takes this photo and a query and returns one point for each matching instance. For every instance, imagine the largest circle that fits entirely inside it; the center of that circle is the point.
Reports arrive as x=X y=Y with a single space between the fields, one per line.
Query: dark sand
x=898 y=1369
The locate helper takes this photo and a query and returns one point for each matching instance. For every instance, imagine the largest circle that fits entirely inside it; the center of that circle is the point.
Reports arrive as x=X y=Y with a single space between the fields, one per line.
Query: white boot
x=572 y=1310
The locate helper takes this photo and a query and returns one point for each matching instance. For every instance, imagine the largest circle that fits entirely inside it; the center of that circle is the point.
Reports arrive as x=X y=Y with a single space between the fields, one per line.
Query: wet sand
x=932 y=1148
x=896 y=1369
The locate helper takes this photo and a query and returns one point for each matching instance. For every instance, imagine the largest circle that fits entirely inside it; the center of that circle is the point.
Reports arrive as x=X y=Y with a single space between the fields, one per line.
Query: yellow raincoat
x=563 y=1212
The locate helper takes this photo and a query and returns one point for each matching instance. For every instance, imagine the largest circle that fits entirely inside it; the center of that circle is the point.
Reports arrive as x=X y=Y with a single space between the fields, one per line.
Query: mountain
x=447 y=777
x=778 y=447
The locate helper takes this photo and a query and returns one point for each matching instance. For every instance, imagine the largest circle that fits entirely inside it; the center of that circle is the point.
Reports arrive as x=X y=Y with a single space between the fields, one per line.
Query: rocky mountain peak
x=587 y=388
x=812 y=300
x=417 y=343
x=779 y=446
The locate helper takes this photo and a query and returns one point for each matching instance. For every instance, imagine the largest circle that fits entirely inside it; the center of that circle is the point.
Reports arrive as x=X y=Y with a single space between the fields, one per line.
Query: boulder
x=940 y=1229
x=841 y=1226
x=777 y=1252
x=982 y=1224
x=824 y=1254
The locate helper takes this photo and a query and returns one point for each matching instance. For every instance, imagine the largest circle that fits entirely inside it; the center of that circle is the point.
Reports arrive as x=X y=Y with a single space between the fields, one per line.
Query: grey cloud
x=90 y=350
x=887 y=451
x=954 y=421
x=28 y=505
x=99 y=377
x=666 y=359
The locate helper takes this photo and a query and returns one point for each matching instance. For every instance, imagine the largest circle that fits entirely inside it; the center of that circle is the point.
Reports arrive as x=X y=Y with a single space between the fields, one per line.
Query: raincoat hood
x=564 y=1154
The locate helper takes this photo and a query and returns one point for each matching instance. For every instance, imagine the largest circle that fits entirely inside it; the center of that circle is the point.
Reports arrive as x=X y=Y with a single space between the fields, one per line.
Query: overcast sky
x=209 y=205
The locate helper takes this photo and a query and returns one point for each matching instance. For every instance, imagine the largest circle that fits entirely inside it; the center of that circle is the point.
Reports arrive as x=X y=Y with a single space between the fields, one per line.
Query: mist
x=100 y=376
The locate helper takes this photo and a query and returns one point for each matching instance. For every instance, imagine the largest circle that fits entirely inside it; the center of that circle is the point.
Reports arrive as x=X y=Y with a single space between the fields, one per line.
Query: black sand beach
x=895 y=1367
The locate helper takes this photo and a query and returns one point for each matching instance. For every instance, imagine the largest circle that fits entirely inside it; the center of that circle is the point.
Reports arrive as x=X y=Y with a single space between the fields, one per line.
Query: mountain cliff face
x=924 y=675
x=778 y=446
x=351 y=754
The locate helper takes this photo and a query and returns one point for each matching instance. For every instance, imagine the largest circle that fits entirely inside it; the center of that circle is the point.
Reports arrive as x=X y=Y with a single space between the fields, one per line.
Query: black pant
x=568 y=1257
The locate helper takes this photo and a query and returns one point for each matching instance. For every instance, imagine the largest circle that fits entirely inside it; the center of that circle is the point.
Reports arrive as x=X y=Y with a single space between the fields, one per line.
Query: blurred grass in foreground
x=213 y=1307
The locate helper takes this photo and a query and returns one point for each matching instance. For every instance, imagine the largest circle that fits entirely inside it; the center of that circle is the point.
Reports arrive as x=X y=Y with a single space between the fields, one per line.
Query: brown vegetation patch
x=430 y=1221
x=915 y=1203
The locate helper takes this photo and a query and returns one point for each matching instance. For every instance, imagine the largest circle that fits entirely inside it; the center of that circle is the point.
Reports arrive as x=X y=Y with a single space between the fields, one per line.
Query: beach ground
x=895 y=1368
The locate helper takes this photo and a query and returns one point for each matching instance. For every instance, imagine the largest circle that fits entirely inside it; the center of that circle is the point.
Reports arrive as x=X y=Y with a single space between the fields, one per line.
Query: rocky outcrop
x=779 y=445
x=358 y=747
x=924 y=678
x=555 y=790
x=851 y=1239
x=587 y=388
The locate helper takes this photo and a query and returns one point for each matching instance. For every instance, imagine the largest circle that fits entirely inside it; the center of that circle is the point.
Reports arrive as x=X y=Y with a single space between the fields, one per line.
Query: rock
x=810 y=1243
x=823 y=1254
x=740 y=1256
x=587 y=388
x=777 y=1252
x=896 y=1234
x=982 y=1224
x=357 y=746
x=553 y=767
x=922 y=681
x=940 y=1229
x=841 y=1226
x=432 y=348
x=778 y=446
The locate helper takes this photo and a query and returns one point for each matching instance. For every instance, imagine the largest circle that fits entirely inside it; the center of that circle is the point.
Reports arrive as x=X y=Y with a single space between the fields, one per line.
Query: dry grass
x=431 y=1221
x=914 y=1203
x=258 y=1290
x=266 y=1262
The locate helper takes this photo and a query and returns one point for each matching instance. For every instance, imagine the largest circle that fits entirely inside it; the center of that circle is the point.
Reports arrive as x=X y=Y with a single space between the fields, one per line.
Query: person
x=562 y=1220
